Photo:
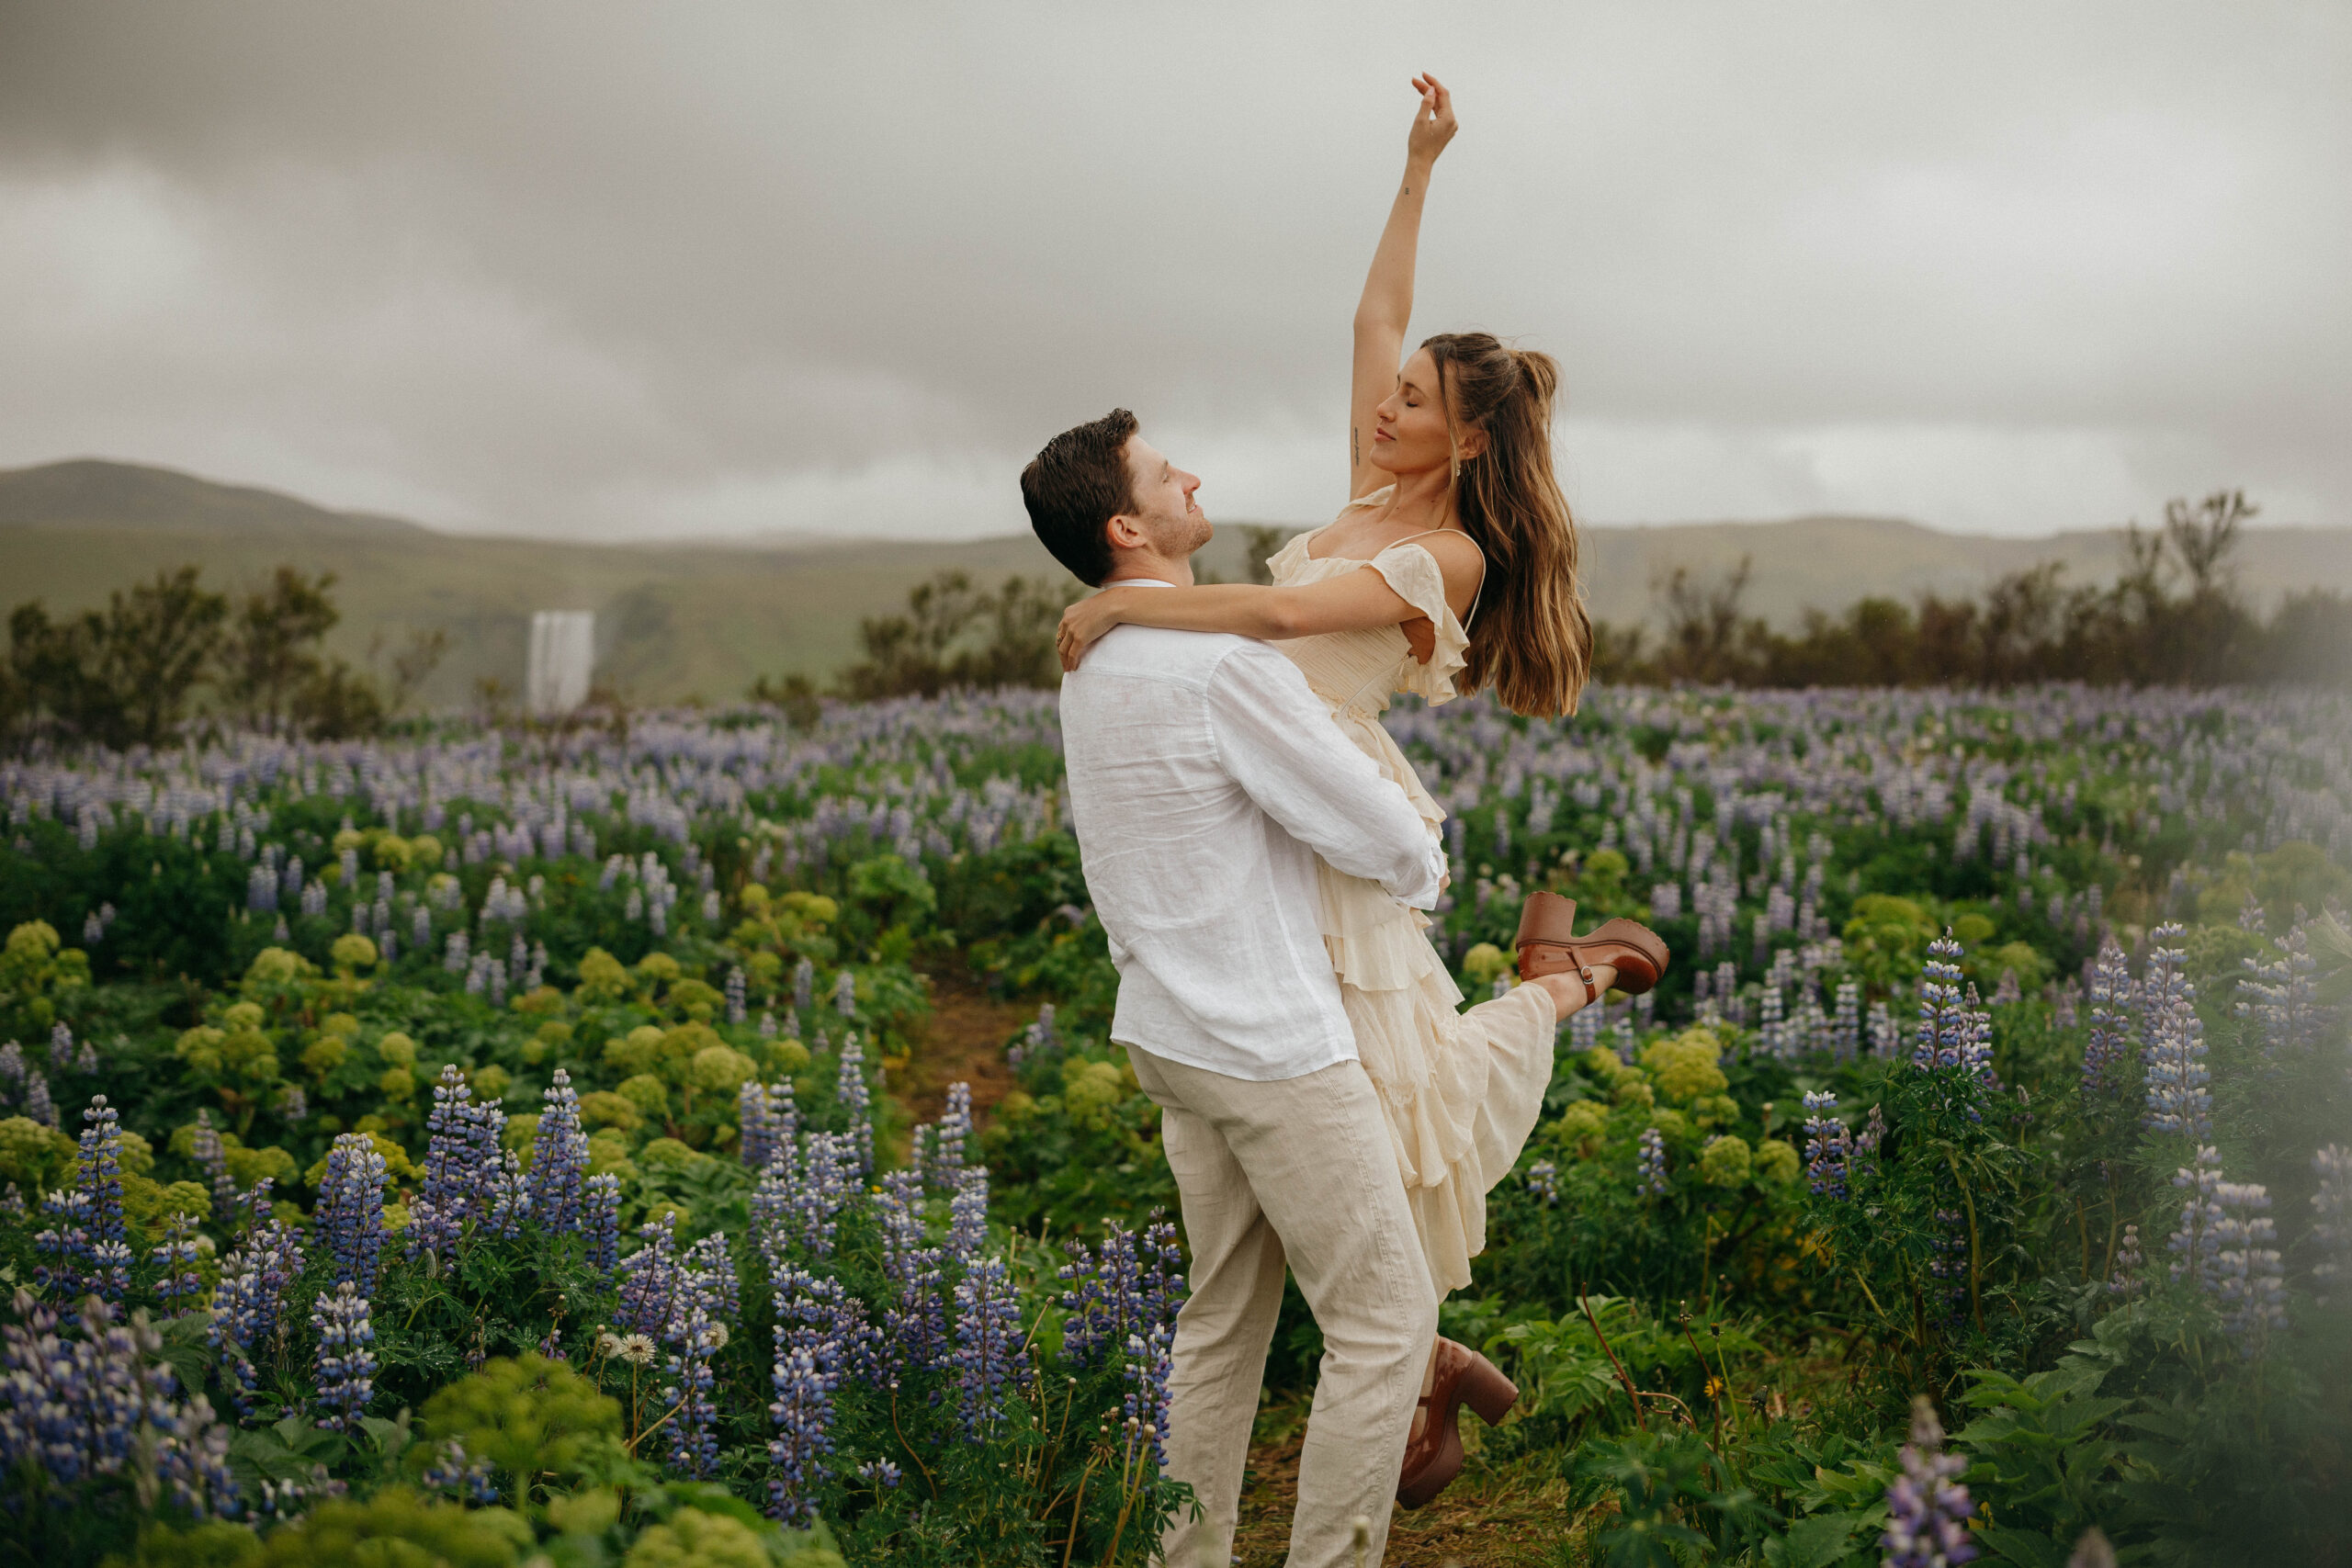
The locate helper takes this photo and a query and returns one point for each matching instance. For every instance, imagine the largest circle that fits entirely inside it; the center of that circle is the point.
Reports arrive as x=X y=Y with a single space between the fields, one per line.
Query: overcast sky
x=628 y=271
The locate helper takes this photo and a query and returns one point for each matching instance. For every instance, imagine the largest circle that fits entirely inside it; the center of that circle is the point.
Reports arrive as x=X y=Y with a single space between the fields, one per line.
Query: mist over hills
x=702 y=619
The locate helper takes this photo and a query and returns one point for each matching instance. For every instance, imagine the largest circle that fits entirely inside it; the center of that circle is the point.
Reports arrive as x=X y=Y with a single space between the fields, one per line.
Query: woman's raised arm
x=1386 y=308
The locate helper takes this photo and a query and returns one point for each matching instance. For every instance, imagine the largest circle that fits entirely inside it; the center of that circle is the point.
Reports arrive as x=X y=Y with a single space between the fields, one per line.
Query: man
x=1204 y=780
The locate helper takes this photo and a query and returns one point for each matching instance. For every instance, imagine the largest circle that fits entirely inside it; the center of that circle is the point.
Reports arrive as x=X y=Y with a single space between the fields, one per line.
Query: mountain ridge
x=678 y=620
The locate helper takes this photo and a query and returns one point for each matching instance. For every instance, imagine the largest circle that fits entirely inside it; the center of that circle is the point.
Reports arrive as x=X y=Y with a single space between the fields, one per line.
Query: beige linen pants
x=1298 y=1170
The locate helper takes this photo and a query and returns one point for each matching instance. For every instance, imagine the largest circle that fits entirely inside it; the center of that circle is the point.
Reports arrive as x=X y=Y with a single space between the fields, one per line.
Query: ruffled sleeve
x=1416 y=577
x=1286 y=563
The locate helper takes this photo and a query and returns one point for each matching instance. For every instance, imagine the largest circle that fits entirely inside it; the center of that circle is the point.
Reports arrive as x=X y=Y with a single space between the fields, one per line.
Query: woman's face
x=1409 y=434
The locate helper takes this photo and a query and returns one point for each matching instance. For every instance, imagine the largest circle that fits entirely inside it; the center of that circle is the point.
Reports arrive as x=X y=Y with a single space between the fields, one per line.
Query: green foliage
x=540 y=1422
x=953 y=634
x=2172 y=618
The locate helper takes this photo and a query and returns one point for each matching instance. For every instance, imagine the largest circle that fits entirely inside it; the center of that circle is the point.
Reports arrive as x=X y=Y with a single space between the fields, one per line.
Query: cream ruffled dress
x=1461 y=1090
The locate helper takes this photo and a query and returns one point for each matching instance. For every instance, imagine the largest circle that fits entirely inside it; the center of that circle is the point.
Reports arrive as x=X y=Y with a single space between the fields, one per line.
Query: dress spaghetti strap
x=1477 y=593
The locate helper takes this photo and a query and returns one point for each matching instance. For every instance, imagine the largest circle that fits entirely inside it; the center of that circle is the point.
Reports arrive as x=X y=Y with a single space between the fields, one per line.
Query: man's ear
x=1125 y=533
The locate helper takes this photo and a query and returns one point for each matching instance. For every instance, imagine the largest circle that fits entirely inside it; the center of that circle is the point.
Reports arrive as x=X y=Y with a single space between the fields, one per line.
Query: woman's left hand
x=1083 y=623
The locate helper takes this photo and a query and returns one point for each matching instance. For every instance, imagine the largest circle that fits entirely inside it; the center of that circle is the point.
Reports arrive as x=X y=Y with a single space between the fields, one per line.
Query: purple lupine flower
x=774 y=1209
x=846 y=994
x=1543 y=1181
x=37 y=1103
x=650 y=1282
x=914 y=1324
x=804 y=990
x=849 y=1090
x=2248 y=1282
x=104 y=1403
x=821 y=1337
x=2192 y=1241
x=213 y=1160
x=2130 y=1260
x=461 y=1165
x=2166 y=978
x=180 y=1285
x=453 y=1470
x=769 y=1121
x=1146 y=1370
x=1944 y=1022
x=708 y=1276
x=737 y=992
x=509 y=1198
x=803 y=1414
x=2178 y=1101
x=2284 y=1007
x=604 y=1226
x=249 y=1308
x=827 y=1185
x=1650 y=1164
x=2110 y=1046
x=346 y=1359
x=351 y=1210
x=1926 y=1508
x=85 y=1246
x=560 y=1159
x=987 y=1336
x=1121 y=1291
x=1828 y=1146
x=2333 y=1231
x=694 y=1430
x=954 y=1129
x=252 y=1204
x=967 y=1216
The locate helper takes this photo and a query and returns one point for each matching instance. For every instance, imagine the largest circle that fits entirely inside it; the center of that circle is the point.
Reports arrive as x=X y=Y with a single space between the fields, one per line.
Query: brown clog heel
x=1462 y=1377
x=1548 y=944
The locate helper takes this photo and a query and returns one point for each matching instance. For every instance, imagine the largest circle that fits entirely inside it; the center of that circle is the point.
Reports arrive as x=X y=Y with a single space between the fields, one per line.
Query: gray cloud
x=625 y=271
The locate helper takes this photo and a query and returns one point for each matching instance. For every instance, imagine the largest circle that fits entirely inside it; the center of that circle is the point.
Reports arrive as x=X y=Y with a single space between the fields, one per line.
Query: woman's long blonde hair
x=1530 y=638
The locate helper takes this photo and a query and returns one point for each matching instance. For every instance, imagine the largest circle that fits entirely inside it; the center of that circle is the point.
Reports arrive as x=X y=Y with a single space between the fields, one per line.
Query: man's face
x=1166 y=517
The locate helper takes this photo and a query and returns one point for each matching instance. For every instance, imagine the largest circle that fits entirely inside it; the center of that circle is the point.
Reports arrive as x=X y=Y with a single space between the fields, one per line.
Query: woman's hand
x=1433 y=123
x=1084 y=621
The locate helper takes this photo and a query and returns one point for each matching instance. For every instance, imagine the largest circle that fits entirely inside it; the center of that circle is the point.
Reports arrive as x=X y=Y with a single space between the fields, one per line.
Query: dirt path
x=1494 y=1517
x=963 y=1042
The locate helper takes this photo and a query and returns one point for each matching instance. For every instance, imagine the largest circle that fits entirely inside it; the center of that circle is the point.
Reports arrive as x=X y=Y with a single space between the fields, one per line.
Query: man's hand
x=1433 y=123
x=1420 y=636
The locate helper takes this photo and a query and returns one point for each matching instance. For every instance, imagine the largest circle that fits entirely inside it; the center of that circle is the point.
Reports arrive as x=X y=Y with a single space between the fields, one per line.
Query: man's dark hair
x=1075 y=487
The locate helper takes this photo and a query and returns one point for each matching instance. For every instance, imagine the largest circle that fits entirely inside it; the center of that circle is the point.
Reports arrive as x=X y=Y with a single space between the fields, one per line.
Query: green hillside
x=703 y=619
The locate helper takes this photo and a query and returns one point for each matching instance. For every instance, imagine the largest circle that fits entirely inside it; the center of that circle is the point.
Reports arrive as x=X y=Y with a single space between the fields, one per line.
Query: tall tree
x=271 y=652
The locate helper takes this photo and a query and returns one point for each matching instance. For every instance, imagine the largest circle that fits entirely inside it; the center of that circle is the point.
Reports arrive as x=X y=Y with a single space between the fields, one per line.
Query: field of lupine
x=496 y=1146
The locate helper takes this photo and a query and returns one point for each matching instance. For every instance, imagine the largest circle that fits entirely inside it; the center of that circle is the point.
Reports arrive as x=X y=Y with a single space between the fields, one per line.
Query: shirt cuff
x=1423 y=892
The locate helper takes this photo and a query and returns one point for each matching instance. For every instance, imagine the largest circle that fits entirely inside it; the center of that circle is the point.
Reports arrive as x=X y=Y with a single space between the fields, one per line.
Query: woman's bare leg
x=1566 y=990
x=1567 y=995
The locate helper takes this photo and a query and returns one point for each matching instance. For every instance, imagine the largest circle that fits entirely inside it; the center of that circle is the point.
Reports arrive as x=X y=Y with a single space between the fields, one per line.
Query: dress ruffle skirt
x=1462 y=1090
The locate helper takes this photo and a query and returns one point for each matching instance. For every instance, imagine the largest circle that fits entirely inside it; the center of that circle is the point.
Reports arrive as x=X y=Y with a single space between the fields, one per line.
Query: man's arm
x=1277 y=741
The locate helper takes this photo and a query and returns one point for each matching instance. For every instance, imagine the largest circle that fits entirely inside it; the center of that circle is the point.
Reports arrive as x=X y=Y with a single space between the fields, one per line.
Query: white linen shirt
x=1204 y=779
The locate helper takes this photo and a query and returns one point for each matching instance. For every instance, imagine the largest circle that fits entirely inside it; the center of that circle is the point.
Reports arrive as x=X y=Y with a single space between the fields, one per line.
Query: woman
x=1454 y=519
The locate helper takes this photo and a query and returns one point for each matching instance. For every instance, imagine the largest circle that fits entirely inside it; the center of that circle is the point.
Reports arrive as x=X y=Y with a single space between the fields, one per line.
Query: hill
x=703 y=619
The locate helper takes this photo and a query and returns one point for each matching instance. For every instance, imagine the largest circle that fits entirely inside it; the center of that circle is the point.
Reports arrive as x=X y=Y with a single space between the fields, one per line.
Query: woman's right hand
x=1433 y=122
x=1083 y=623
